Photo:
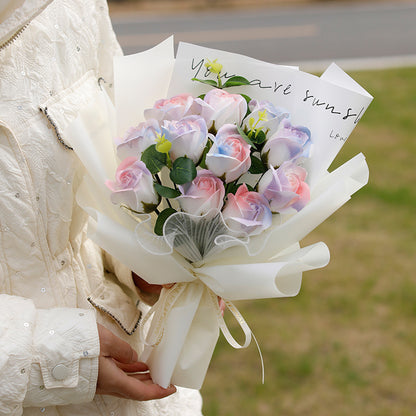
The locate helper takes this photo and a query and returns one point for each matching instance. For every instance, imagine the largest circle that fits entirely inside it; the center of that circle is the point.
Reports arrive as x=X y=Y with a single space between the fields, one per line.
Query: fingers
x=169 y=285
x=135 y=367
x=145 y=286
x=135 y=386
x=222 y=305
x=136 y=389
x=121 y=375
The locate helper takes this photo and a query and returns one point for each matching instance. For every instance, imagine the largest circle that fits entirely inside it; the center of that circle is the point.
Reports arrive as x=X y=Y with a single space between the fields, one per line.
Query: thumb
x=114 y=347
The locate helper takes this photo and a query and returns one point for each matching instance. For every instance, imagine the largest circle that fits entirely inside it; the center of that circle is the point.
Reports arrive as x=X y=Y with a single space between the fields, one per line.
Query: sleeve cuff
x=64 y=369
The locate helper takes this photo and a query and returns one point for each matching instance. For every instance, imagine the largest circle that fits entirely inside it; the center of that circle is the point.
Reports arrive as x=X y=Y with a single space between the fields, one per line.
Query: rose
x=288 y=143
x=247 y=212
x=219 y=107
x=285 y=188
x=204 y=193
x=138 y=139
x=133 y=186
x=173 y=108
x=188 y=137
x=229 y=156
x=264 y=116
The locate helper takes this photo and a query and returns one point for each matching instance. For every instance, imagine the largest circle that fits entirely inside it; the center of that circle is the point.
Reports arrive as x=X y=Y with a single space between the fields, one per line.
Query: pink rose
x=285 y=188
x=247 y=212
x=133 y=186
x=188 y=137
x=219 y=107
x=229 y=156
x=174 y=108
x=288 y=143
x=204 y=193
x=138 y=139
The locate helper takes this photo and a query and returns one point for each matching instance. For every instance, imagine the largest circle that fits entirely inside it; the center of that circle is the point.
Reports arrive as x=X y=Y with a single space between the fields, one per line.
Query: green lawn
x=346 y=345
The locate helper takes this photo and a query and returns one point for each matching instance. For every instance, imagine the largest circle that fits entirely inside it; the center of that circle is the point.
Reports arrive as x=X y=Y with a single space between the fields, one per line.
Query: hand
x=121 y=375
x=145 y=287
x=155 y=290
x=222 y=305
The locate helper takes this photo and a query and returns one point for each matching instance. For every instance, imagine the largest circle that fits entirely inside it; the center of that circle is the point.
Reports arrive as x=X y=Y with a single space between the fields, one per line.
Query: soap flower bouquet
x=215 y=180
x=222 y=163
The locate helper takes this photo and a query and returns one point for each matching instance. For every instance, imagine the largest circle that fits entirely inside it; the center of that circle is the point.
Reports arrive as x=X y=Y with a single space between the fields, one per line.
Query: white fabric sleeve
x=47 y=357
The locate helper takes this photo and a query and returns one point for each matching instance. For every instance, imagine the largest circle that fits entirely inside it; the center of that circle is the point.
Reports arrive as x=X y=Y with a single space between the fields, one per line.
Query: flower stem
x=219 y=81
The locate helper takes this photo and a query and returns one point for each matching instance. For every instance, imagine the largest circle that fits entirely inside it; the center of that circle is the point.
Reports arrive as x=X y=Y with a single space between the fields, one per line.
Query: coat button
x=60 y=372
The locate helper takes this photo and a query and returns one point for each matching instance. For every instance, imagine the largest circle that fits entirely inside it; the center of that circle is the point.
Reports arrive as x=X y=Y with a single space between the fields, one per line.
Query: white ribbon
x=166 y=302
x=159 y=316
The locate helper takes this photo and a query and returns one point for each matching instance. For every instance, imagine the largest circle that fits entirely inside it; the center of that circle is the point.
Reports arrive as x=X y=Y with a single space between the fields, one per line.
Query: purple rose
x=264 y=116
x=285 y=188
x=138 y=139
x=288 y=143
x=188 y=137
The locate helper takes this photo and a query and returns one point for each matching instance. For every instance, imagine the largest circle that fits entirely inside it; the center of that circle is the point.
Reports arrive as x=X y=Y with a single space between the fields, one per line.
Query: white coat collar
x=15 y=14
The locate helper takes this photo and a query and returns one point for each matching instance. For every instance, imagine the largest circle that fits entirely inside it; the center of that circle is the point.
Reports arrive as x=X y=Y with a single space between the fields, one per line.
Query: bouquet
x=222 y=163
x=220 y=171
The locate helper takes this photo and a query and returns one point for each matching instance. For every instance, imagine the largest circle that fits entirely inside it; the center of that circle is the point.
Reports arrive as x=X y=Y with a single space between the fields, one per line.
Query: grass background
x=346 y=345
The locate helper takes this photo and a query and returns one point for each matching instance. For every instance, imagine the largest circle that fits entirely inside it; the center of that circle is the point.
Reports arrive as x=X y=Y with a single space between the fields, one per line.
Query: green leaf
x=161 y=219
x=204 y=154
x=153 y=159
x=165 y=191
x=244 y=136
x=257 y=166
x=235 y=82
x=258 y=136
x=183 y=171
x=231 y=188
x=202 y=96
x=246 y=97
x=210 y=82
x=250 y=188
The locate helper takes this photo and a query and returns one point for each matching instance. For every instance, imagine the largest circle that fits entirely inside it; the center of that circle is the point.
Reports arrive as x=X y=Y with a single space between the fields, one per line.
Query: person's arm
x=46 y=356
x=59 y=357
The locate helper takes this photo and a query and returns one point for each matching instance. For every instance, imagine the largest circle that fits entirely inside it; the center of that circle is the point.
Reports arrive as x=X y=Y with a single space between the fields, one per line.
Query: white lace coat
x=54 y=282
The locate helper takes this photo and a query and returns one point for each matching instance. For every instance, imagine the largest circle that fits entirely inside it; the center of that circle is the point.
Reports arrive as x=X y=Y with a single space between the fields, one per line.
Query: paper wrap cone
x=185 y=322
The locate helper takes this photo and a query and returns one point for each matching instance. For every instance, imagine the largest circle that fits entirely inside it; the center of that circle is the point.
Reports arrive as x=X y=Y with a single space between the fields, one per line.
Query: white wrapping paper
x=185 y=323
